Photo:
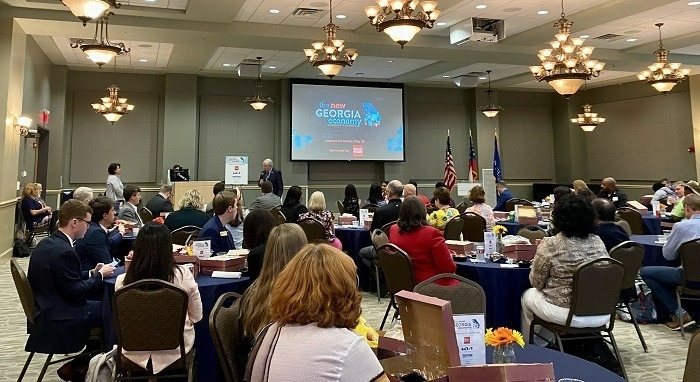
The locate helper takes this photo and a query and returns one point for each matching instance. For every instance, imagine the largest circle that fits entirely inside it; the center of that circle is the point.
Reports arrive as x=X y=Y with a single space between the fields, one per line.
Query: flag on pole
x=450 y=174
x=473 y=170
x=496 y=160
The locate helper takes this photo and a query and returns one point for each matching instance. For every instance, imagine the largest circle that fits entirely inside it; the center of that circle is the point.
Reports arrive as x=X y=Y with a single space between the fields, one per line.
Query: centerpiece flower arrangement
x=499 y=229
x=159 y=219
x=503 y=340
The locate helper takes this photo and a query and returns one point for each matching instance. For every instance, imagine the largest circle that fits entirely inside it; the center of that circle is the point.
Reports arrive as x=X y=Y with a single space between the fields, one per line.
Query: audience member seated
x=129 y=211
x=609 y=190
x=256 y=229
x=101 y=241
x=441 y=185
x=556 y=261
x=35 y=212
x=424 y=244
x=586 y=194
x=662 y=192
x=153 y=259
x=663 y=280
x=682 y=190
x=560 y=191
x=408 y=190
x=318 y=211
x=115 y=188
x=383 y=215
x=224 y=211
x=313 y=326
x=161 y=202
x=351 y=202
x=235 y=226
x=579 y=185
x=267 y=200
x=421 y=196
x=218 y=187
x=504 y=195
x=84 y=194
x=441 y=199
x=60 y=286
x=477 y=196
x=385 y=193
x=292 y=207
x=611 y=233
x=375 y=195
x=189 y=212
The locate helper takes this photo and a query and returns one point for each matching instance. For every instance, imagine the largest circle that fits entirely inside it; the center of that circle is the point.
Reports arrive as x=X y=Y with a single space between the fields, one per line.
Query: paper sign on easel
x=201 y=248
x=489 y=242
x=469 y=329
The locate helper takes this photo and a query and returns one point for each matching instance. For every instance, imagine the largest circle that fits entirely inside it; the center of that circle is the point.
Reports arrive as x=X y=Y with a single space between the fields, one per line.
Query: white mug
x=135 y=231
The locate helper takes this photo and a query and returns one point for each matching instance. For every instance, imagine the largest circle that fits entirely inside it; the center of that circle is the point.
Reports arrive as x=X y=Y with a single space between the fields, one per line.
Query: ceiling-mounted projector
x=478 y=29
x=466 y=80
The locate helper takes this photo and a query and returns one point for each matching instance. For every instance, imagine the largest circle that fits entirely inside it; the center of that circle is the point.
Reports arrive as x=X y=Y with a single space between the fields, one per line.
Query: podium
x=204 y=187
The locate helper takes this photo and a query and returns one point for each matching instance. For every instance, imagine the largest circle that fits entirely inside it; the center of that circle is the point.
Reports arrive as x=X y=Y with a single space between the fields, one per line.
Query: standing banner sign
x=236 y=170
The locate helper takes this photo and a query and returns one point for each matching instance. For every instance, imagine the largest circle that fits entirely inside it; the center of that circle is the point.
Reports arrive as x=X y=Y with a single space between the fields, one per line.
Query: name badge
x=615 y=198
x=223 y=233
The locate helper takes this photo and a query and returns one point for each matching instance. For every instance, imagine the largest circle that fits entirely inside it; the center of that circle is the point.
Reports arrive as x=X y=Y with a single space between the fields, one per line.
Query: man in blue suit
x=272 y=175
x=101 y=240
x=504 y=195
x=224 y=212
x=62 y=315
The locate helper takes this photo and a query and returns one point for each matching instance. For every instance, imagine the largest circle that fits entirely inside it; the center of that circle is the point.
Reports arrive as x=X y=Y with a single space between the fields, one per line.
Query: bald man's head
x=608 y=185
x=409 y=190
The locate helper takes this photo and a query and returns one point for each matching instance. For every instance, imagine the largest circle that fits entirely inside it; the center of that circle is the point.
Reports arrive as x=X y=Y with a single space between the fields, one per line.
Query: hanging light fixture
x=661 y=75
x=490 y=110
x=329 y=56
x=113 y=107
x=100 y=50
x=587 y=121
x=258 y=103
x=568 y=64
x=87 y=10
x=404 y=25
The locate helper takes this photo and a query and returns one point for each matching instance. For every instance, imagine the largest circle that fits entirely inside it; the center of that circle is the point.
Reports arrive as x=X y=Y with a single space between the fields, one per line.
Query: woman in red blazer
x=424 y=244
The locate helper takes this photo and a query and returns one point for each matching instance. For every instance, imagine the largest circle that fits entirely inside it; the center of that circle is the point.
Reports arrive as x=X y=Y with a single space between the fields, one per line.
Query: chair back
x=387 y=227
x=626 y=226
x=596 y=288
x=370 y=207
x=633 y=218
x=453 y=228
x=149 y=315
x=279 y=218
x=315 y=233
x=341 y=207
x=226 y=333
x=24 y=290
x=182 y=234
x=690 y=259
x=466 y=297
x=692 y=363
x=532 y=233
x=462 y=207
x=145 y=214
x=473 y=228
x=379 y=238
x=274 y=210
x=398 y=269
x=510 y=204
x=631 y=255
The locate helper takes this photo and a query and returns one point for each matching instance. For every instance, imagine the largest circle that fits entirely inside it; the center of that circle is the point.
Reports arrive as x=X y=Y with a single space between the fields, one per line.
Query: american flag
x=473 y=170
x=450 y=174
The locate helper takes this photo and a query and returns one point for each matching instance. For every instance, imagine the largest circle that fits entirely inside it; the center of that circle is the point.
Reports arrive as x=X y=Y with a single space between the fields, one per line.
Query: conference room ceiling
x=211 y=37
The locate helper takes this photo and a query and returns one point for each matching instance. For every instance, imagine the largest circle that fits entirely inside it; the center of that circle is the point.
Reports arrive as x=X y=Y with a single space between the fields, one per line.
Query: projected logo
x=395 y=143
x=357 y=150
x=299 y=141
x=340 y=114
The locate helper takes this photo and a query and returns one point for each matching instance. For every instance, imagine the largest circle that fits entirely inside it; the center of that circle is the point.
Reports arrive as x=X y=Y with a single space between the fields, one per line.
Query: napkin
x=226 y=275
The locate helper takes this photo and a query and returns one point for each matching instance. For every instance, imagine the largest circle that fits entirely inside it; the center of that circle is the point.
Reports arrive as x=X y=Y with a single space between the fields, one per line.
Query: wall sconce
x=22 y=125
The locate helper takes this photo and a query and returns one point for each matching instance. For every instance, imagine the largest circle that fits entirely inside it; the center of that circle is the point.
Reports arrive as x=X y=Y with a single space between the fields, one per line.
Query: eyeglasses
x=86 y=221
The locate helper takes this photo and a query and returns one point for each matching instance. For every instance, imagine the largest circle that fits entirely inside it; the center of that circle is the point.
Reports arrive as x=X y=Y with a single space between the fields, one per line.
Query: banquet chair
x=466 y=297
x=341 y=207
x=398 y=273
x=315 y=233
x=462 y=207
x=510 y=204
x=631 y=255
x=690 y=283
x=453 y=228
x=473 y=228
x=149 y=315
x=370 y=207
x=226 y=331
x=274 y=210
x=182 y=235
x=30 y=233
x=692 y=363
x=379 y=238
x=633 y=218
x=145 y=214
x=387 y=227
x=596 y=291
x=625 y=225
x=532 y=233
x=279 y=218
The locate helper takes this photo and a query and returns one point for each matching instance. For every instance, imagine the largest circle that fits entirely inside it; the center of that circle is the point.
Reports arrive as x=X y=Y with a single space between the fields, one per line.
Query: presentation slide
x=332 y=122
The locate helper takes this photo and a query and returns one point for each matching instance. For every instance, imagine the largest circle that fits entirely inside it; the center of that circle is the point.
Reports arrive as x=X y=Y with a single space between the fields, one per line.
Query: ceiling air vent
x=308 y=13
x=608 y=37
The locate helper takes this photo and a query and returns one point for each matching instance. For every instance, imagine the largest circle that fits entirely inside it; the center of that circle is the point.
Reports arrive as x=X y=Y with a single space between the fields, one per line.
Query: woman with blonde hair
x=35 y=212
x=579 y=184
x=318 y=211
x=477 y=196
x=190 y=212
x=313 y=325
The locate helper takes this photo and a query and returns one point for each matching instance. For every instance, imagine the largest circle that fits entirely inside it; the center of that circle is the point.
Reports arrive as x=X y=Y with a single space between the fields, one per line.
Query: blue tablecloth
x=514 y=227
x=208 y=368
x=652 y=250
x=353 y=240
x=503 y=288
x=652 y=224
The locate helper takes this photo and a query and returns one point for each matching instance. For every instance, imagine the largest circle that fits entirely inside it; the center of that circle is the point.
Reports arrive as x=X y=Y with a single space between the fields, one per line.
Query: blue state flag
x=496 y=161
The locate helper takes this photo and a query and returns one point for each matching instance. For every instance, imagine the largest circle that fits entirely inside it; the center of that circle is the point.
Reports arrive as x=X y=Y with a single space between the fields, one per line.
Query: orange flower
x=503 y=336
x=159 y=219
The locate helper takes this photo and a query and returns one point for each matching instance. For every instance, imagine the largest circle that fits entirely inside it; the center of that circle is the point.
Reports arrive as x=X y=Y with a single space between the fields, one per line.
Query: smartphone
x=114 y=263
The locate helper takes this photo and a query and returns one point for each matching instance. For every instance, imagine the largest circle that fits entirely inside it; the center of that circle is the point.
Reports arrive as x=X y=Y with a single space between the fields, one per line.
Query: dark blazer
x=275 y=178
x=96 y=246
x=159 y=204
x=611 y=234
x=386 y=214
x=60 y=287
x=186 y=216
x=505 y=196
x=221 y=238
x=618 y=198
x=292 y=212
x=255 y=261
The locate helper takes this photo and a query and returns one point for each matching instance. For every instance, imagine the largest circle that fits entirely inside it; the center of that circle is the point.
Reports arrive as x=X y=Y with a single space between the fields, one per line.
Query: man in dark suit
x=611 y=233
x=62 y=315
x=390 y=211
x=504 y=195
x=101 y=240
x=161 y=202
x=609 y=190
x=129 y=211
x=272 y=175
x=215 y=229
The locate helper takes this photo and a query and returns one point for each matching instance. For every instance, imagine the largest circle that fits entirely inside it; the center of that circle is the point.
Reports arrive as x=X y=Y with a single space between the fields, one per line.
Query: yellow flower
x=503 y=336
x=499 y=229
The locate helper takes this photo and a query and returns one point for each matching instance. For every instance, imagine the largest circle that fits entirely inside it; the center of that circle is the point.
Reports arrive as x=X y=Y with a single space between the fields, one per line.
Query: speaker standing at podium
x=272 y=175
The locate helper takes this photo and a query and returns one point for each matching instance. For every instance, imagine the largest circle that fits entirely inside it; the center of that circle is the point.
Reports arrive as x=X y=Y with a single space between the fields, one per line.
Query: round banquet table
x=652 y=224
x=353 y=240
x=503 y=288
x=210 y=289
x=653 y=254
x=514 y=227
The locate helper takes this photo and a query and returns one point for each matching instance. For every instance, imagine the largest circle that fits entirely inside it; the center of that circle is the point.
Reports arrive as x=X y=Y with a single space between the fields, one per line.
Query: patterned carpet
x=665 y=360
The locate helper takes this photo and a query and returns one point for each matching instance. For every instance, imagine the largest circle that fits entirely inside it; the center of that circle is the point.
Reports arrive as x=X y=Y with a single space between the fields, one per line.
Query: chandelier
x=587 y=121
x=258 y=103
x=568 y=64
x=100 y=50
x=113 y=107
x=328 y=56
x=87 y=10
x=490 y=110
x=662 y=76
x=404 y=25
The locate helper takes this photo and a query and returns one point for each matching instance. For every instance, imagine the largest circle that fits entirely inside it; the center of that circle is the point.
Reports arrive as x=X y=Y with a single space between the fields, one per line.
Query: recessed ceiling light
x=631 y=39
x=542 y=12
x=694 y=3
x=482 y=78
x=143 y=60
x=391 y=60
x=441 y=23
x=480 y=6
x=227 y=65
x=274 y=11
x=445 y=76
x=340 y=16
x=150 y=1
x=585 y=36
x=272 y=67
